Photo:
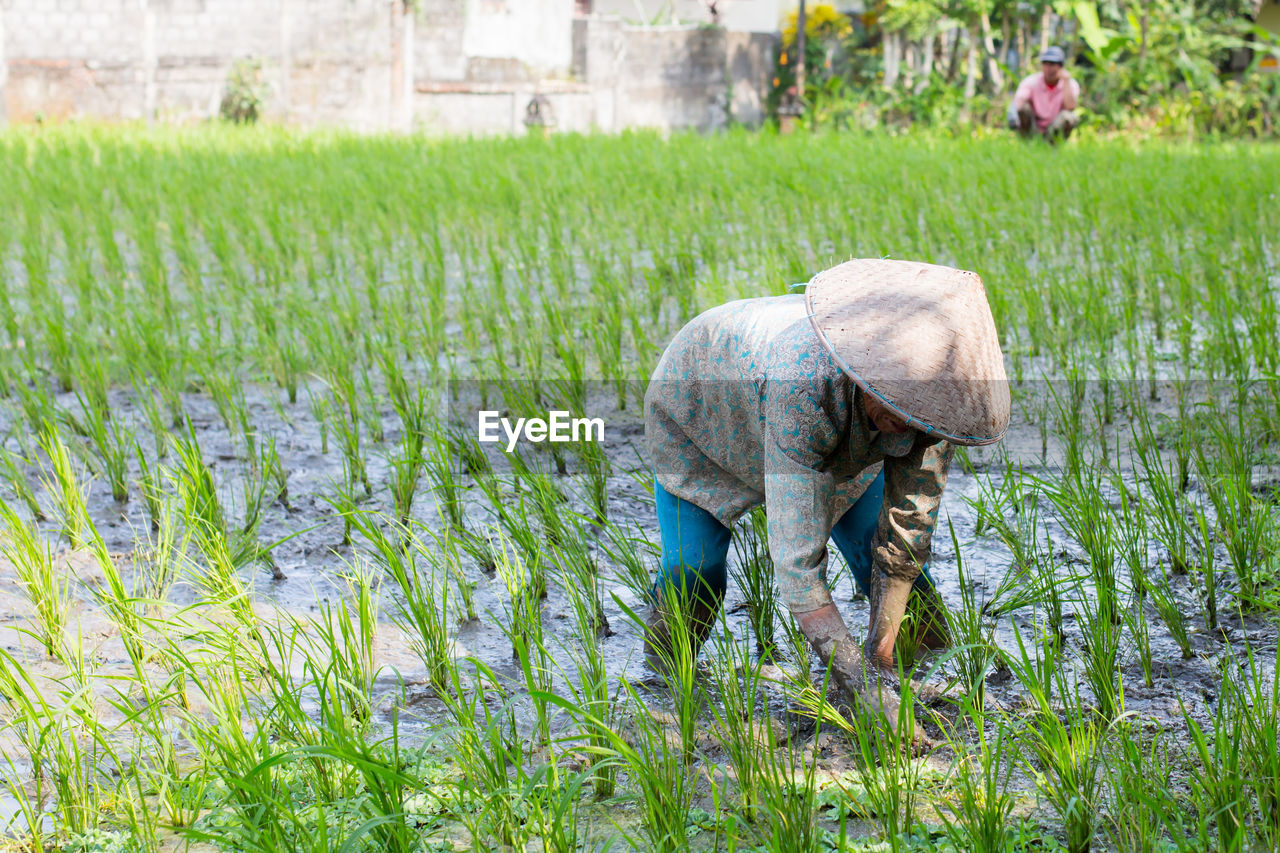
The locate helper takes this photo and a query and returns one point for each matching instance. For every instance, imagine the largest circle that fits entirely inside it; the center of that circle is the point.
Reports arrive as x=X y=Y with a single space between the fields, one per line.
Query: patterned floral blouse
x=747 y=407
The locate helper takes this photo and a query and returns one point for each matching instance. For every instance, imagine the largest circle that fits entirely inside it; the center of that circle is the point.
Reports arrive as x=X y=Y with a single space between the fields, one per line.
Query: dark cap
x=1053 y=54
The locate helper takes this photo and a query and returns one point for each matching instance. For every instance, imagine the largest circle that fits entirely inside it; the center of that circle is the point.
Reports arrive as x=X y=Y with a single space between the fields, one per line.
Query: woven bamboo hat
x=919 y=337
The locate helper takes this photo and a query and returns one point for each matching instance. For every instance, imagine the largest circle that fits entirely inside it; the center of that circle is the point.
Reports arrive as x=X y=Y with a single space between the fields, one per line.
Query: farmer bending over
x=1046 y=101
x=838 y=410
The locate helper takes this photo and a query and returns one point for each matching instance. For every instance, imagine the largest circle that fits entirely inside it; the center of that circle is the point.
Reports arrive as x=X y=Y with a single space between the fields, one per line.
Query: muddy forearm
x=829 y=636
x=889 y=596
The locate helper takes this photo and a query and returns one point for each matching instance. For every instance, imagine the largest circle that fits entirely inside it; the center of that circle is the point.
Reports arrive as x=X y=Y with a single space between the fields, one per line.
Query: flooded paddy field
x=263 y=588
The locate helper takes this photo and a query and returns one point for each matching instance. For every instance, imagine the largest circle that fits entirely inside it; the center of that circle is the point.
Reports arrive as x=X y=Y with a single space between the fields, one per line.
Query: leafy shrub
x=243 y=97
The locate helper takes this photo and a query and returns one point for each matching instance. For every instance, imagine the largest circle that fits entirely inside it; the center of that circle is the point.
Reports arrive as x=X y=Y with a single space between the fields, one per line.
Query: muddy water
x=314 y=558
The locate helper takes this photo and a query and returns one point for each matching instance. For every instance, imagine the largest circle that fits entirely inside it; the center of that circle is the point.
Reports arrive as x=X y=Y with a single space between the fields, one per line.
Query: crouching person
x=1046 y=102
x=838 y=410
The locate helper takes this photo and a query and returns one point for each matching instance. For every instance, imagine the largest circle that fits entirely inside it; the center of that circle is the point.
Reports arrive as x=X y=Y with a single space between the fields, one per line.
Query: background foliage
x=1176 y=67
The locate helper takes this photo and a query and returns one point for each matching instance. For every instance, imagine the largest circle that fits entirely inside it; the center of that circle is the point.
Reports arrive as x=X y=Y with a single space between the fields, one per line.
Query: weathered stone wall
x=752 y=16
x=457 y=66
x=325 y=60
x=493 y=41
x=684 y=77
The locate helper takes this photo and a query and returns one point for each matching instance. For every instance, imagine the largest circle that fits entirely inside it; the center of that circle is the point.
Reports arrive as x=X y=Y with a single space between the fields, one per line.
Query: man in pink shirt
x=1046 y=101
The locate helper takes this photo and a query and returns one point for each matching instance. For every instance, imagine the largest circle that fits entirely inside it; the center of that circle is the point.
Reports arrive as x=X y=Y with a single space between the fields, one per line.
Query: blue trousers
x=695 y=545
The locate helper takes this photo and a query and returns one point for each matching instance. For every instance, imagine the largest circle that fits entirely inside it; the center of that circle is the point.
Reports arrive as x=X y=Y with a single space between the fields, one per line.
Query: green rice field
x=262 y=588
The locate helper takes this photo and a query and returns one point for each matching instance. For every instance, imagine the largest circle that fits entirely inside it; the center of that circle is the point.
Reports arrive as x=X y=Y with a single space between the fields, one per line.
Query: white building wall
x=537 y=33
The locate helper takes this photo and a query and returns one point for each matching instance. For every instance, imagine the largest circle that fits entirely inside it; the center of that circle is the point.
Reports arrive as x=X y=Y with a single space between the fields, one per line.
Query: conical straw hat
x=921 y=338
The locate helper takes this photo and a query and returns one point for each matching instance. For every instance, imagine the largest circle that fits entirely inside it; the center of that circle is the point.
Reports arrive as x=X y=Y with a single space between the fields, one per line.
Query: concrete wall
x=537 y=35
x=680 y=77
x=457 y=66
x=674 y=77
x=491 y=41
x=325 y=61
x=751 y=16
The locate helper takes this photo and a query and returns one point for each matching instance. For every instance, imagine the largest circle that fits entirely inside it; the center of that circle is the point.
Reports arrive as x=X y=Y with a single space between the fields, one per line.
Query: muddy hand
x=882 y=694
x=830 y=639
x=865 y=685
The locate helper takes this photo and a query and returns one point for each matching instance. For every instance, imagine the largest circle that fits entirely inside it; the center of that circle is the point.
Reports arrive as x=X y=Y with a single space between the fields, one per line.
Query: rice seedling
x=1206 y=570
x=675 y=658
x=590 y=690
x=1257 y=698
x=595 y=466
x=422 y=608
x=1132 y=540
x=888 y=774
x=150 y=485
x=448 y=555
x=252 y=766
x=655 y=767
x=344 y=415
x=46 y=586
x=444 y=471
x=273 y=487
x=544 y=496
x=475 y=462
x=632 y=554
x=581 y=576
x=1167 y=607
x=975 y=652
x=742 y=722
x=1084 y=510
x=753 y=573
x=1011 y=512
x=113 y=442
x=122 y=606
x=1067 y=752
x=206 y=517
x=1246 y=524
x=216 y=576
x=63 y=483
x=1103 y=645
x=1068 y=403
x=406 y=470
x=68 y=752
x=524 y=628
x=320 y=406
x=493 y=754
x=227 y=392
x=788 y=796
x=17 y=480
x=555 y=798
x=1139 y=780
x=981 y=811
x=1220 y=790
x=523 y=533
x=345 y=500
x=1164 y=505
x=35 y=401
x=346 y=632
x=147 y=705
